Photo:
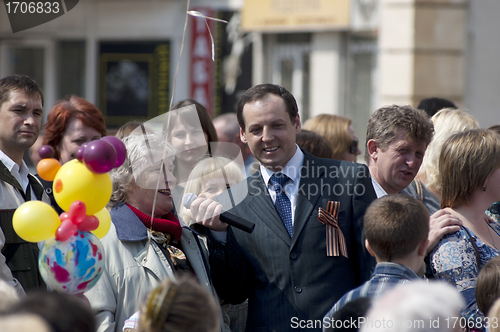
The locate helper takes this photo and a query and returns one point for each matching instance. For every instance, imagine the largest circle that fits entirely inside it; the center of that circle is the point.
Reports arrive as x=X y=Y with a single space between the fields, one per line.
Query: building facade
x=345 y=57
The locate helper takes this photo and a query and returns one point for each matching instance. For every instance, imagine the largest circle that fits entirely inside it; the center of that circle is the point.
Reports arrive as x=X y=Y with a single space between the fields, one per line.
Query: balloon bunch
x=71 y=257
x=75 y=219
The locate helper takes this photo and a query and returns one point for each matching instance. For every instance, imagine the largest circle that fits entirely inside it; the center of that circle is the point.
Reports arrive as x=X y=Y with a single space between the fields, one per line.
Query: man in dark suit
x=397 y=137
x=296 y=264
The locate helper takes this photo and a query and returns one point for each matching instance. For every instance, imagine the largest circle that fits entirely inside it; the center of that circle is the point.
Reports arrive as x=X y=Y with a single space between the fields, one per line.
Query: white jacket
x=131 y=271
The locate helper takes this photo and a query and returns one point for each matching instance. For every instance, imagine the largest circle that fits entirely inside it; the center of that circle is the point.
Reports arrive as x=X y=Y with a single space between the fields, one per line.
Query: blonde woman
x=182 y=305
x=339 y=133
x=469 y=165
x=447 y=122
x=209 y=178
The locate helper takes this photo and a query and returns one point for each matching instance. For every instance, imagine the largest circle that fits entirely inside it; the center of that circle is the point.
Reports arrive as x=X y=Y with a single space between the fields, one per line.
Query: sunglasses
x=353 y=149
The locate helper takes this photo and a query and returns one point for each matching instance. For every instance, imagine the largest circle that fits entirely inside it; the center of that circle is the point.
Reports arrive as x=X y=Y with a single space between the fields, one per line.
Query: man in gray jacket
x=21 y=102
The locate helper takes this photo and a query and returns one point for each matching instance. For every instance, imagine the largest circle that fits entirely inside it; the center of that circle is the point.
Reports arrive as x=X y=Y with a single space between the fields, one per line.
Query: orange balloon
x=47 y=168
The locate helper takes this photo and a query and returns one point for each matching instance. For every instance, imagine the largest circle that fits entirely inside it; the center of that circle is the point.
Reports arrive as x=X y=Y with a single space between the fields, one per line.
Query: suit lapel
x=305 y=200
x=260 y=202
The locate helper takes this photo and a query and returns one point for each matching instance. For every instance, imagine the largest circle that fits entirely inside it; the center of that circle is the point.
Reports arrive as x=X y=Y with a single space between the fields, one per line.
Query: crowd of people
x=410 y=238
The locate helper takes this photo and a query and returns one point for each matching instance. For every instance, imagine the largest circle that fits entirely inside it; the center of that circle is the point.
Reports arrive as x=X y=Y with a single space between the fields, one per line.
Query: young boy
x=396 y=229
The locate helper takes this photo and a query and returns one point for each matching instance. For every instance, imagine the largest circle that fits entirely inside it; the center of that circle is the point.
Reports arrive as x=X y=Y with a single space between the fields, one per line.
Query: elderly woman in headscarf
x=146 y=243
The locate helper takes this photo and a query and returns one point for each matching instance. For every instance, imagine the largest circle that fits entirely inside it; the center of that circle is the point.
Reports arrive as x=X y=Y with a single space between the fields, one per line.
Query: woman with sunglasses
x=339 y=133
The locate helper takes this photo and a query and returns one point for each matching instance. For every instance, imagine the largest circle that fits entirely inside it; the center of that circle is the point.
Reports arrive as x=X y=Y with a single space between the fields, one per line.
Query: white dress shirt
x=379 y=191
x=20 y=173
x=292 y=170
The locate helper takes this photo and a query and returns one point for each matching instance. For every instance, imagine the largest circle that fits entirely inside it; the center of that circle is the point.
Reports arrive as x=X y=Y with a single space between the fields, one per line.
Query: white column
x=257 y=59
x=396 y=52
x=421 y=50
x=91 y=55
x=49 y=89
x=327 y=73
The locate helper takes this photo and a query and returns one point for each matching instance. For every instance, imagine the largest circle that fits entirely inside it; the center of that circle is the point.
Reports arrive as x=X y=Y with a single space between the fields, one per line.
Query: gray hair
x=143 y=150
x=385 y=123
x=416 y=306
x=447 y=122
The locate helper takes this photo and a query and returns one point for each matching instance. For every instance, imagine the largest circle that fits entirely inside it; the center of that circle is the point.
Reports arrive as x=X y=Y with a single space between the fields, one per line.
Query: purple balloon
x=121 y=150
x=99 y=156
x=46 y=151
x=79 y=152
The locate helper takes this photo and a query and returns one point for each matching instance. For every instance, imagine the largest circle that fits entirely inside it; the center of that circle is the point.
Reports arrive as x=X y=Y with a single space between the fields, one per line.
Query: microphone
x=226 y=217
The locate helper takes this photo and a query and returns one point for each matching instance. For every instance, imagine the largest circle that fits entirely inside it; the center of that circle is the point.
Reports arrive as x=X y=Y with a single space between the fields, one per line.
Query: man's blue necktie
x=282 y=203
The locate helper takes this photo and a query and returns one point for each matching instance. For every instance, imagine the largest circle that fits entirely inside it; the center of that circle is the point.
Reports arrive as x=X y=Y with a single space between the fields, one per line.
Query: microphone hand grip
x=238 y=222
x=226 y=217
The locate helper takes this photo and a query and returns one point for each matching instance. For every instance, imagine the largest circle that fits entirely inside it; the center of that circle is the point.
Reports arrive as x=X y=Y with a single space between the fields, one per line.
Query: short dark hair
x=385 y=123
x=350 y=311
x=395 y=225
x=230 y=127
x=18 y=83
x=433 y=105
x=260 y=91
x=314 y=143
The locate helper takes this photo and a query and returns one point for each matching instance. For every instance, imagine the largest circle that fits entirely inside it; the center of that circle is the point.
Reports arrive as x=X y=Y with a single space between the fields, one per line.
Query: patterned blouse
x=454 y=260
x=494 y=212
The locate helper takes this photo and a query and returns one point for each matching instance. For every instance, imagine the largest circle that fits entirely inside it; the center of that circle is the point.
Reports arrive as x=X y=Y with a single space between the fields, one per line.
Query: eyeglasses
x=353 y=149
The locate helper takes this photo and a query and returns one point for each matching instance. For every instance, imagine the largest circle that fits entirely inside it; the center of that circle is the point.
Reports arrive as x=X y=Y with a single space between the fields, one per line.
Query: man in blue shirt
x=396 y=229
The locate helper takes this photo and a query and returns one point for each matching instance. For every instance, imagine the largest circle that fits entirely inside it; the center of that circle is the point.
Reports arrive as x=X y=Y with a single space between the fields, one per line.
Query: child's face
x=215 y=186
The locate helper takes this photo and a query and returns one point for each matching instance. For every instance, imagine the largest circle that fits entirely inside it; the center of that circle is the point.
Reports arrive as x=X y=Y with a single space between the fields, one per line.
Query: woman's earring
x=484 y=188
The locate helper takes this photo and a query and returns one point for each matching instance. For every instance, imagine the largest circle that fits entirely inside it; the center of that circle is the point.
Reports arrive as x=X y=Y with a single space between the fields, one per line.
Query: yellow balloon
x=104 y=223
x=74 y=182
x=35 y=221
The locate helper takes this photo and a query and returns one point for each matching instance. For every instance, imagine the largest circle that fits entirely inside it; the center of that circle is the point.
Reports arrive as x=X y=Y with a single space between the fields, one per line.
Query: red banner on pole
x=201 y=65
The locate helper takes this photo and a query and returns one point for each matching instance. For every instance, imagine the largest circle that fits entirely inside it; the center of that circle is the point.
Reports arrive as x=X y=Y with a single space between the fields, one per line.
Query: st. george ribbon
x=228 y=218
